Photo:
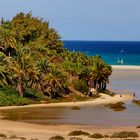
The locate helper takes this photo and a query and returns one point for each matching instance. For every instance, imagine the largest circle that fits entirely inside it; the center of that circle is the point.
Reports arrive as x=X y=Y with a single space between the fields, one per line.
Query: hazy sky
x=83 y=19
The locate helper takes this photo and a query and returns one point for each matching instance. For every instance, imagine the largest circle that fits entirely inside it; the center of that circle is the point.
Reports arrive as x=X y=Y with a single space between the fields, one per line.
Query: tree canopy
x=32 y=56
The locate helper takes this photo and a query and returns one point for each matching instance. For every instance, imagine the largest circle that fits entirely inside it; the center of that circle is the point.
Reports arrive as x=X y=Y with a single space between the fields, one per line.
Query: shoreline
x=104 y=99
x=124 y=67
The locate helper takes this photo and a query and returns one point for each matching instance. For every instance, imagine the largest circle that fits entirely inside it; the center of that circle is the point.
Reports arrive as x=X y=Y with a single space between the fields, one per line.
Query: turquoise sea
x=113 y=52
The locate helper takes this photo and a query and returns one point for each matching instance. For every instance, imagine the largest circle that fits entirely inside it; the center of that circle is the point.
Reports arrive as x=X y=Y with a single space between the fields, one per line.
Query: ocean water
x=128 y=53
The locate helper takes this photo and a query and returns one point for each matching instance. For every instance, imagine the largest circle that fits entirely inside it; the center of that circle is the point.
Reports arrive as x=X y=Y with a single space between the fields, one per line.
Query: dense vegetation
x=34 y=61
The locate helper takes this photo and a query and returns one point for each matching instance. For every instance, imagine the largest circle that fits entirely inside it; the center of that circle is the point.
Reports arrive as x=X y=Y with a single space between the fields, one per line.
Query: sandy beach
x=44 y=132
x=126 y=67
x=104 y=99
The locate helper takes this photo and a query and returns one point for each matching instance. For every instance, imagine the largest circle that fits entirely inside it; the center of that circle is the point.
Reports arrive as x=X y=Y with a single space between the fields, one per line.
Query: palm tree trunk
x=20 y=87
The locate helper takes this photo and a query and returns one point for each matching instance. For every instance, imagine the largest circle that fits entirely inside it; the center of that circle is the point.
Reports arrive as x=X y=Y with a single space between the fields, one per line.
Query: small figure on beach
x=134 y=95
x=74 y=100
x=120 y=95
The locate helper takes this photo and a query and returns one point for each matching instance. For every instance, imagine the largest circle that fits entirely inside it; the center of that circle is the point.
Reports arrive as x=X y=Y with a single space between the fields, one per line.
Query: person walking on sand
x=134 y=96
x=74 y=100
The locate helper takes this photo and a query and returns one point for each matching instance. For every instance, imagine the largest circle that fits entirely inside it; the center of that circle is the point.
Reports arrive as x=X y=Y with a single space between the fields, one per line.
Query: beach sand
x=104 y=99
x=44 y=132
x=126 y=67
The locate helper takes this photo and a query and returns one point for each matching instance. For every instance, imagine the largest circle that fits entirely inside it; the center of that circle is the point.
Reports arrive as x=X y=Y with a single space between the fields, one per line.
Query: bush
x=117 y=106
x=75 y=108
x=57 y=138
x=125 y=134
x=97 y=136
x=33 y=94
x=13 y=100
x=8 y=90
x=78 y=133
x=81 y=86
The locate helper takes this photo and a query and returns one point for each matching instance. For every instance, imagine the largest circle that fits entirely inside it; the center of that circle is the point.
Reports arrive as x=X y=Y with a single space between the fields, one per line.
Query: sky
x=115 y=20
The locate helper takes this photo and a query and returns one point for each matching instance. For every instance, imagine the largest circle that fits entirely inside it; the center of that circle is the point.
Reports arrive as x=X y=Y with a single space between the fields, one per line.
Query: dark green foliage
x=33 y=94
x=78 y=133
x=125 y=134
x=117 y=106
x=9 y=100
x=81 y=86
x=8 y=90
x=57 y=138
x=97 y=136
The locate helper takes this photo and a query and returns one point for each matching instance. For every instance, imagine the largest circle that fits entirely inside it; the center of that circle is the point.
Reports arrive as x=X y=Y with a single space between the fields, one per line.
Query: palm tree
x=7 y=39
x=56 y=82
x=22 y=65
x=5 y=77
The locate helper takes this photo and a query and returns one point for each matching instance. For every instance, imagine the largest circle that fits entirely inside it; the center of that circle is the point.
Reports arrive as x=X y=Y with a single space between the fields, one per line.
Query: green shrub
x=8 y=90
x=13 y=100
x=97 y=136
x=117 y=106
x=81 y=86
x=33 y=94
x=57 y=138
x=78 y=133
x=125 y=134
